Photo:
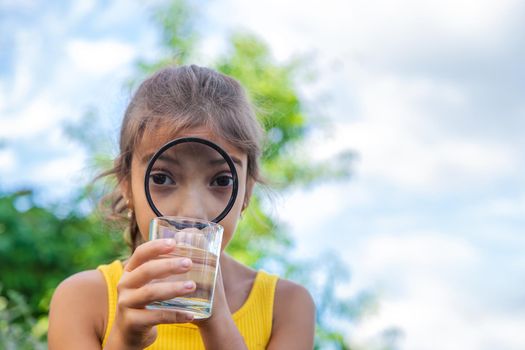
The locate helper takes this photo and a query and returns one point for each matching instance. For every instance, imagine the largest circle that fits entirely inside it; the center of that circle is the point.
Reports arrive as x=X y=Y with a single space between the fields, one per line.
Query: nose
x=192 y=203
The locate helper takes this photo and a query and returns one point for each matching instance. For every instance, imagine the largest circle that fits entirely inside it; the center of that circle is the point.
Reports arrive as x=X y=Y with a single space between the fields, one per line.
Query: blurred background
x=395 y=153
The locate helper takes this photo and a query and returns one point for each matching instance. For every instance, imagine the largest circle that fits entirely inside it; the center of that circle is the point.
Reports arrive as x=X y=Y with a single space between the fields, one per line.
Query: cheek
x=231 y=220
x=143 y=222
x=229 y=225
x=143 y=213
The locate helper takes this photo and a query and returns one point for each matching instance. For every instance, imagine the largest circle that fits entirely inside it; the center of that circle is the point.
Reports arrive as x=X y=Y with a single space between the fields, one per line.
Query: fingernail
x=188 y=284
x=169 y=242
x=188 y=317
x=186 y=262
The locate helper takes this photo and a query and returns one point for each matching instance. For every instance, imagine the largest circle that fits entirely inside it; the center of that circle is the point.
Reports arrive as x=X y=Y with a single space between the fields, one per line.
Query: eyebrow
x=146 y=158
x=222 y=161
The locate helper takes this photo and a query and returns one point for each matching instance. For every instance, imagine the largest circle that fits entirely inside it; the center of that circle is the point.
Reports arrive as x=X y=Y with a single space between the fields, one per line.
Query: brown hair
x=180 y=98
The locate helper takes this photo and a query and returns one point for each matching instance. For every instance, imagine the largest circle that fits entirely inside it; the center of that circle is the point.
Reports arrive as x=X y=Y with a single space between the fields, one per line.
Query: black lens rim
x=208 y=143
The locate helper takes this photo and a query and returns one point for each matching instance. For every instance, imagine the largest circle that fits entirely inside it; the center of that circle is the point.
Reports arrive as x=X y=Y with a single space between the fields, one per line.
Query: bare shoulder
x=78 y=311
x=290 y=295
x=75 y=288
x=294 y=317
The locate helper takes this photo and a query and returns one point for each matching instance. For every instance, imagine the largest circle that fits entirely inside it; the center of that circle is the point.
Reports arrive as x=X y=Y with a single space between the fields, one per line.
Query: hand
x=220 y=304
x=219 y=330
x=134 y=326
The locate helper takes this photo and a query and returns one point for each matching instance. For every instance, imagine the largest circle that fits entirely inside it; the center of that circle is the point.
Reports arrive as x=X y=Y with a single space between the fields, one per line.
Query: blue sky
x=428 y=94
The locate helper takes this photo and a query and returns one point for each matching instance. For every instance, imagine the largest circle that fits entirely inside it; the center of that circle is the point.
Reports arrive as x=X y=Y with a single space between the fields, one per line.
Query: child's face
x=136 y=195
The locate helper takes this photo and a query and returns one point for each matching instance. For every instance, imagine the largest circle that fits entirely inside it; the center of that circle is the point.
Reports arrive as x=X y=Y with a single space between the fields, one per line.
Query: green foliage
x=272 y=90
x=18 y=328
x=260 y=238
x=40 y=247
x=326 y=276
x=177 y=22
x=271 y=87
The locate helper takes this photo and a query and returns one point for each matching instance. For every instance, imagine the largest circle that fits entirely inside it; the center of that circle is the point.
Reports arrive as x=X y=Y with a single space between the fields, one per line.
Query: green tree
x=18 y=328
x=40 y=246
x=261 y=238
x=271 y=87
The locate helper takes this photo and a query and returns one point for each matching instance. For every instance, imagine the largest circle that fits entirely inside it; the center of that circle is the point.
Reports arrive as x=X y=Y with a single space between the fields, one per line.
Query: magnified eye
x=161 y=179
x=223 y=181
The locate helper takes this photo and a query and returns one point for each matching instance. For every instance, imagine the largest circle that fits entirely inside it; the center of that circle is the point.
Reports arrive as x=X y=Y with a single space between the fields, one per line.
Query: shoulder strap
x=112 y=274
x=255 y=318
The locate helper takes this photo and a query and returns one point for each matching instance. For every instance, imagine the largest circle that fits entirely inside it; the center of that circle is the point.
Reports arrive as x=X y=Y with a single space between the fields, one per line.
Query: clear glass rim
x=187 y=220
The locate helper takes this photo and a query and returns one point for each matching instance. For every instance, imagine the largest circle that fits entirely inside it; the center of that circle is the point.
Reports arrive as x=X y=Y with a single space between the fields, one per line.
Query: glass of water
x=199 y=240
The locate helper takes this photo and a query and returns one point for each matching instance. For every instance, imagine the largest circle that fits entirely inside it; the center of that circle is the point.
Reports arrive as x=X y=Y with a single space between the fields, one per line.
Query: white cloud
x=3 y=92
x=501 y=207
x=60 y=169
x=39 y=114
x=419 y=253
x=377 y=29
x=20 y=4
x=81 y=8
x=422 y=278
x=26 y=53
x=401 y=140
x=101 y=56
x=7 y=160
x=306 y=210
x=436 y=319
x=29 y=106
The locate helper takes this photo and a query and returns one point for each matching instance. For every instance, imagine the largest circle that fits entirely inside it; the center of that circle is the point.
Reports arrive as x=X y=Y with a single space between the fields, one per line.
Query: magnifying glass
x=191 y=177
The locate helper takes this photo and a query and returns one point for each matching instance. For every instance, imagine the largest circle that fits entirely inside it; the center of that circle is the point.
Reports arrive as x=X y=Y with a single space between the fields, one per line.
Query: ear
x=250 y=183
x=125 y=189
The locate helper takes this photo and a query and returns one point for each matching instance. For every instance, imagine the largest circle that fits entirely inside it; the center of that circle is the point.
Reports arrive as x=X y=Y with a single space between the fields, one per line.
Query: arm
x=76 y=314
x=293 y=324
x=294 y=318
x=79 y=306
x=220 y=331
x=134 y=325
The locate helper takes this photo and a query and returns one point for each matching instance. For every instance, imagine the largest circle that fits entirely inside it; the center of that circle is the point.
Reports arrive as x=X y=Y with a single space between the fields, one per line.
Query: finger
x=143 y=318
x=156 y=269
x=148 y=251
x=159 y=291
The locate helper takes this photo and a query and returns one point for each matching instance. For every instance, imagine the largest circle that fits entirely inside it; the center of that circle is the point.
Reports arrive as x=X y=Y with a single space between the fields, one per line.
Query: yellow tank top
x=253 y=319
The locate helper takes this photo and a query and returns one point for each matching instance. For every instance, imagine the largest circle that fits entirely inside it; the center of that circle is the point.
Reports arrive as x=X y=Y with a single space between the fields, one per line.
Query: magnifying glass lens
x=191 y=178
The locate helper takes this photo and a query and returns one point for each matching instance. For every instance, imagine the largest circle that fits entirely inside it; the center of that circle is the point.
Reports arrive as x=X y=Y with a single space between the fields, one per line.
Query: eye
x=161 y=179
x=223 y=181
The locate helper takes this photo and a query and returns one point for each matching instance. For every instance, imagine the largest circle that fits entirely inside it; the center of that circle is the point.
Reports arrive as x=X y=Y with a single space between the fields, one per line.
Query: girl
x=105 y=308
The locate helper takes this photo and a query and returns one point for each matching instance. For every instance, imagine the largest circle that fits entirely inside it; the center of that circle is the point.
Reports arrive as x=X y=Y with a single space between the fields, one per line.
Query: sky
x=427 y=94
